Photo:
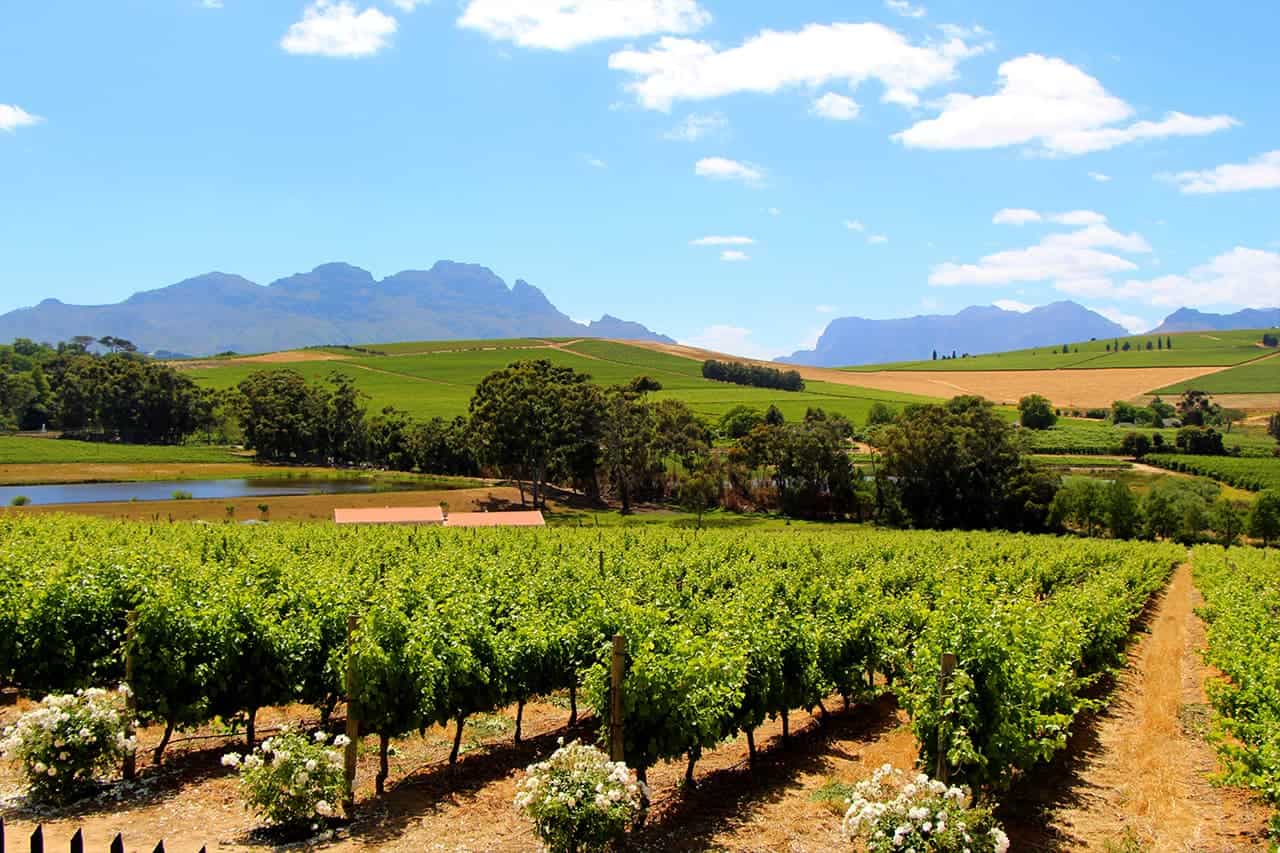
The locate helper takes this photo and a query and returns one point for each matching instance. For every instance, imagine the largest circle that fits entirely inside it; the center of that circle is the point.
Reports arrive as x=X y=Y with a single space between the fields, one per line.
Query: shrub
x=20 y=500
x=1036 y=412
x=291 y=779
x=66 y=742
x=1136 y=444
x=180 y=495
x=579 y=800
x=889 y=814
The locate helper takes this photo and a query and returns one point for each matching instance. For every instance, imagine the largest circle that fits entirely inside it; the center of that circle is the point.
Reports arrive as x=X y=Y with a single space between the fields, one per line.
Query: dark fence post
x=618 y=669
x=159 y=848
x=77 y=842
x=1 y=835
x=37 y=840
x=117 y=844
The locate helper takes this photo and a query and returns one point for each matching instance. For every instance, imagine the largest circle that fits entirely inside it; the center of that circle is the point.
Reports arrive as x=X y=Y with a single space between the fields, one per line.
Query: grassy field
x=440 y=383
x=1256 y=377
x=1087 y=436
x=24 y=449
x=1190 y=349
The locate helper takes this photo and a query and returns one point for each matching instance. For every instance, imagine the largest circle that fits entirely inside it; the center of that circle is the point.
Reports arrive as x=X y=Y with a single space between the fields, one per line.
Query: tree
x=1082 y=501
x=1228 y=521
x=739 y=421
x=956 y=465
x=644 y=384
x=628 y=442
x=773 y=416
x=700 y=489
x=1200 y=441
x=1270 y=340
x=879 y=414
x=518 y=420
x=1136 y=445
x=1124 y=514
x=681 y=434
x=1195 y=408
x=282 y=417
x=1264 y=518
x=344 y=425
x=1273 y=426
x=1036 y=412
x=1228 y=417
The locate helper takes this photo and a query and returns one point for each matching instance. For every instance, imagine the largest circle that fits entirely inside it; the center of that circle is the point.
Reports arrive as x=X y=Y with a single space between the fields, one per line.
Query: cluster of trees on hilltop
x=118 y=395
x=755 y=375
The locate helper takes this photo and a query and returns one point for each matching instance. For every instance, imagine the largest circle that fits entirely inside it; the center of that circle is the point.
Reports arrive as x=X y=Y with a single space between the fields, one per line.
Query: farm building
x=390 y=515
x=531 y=518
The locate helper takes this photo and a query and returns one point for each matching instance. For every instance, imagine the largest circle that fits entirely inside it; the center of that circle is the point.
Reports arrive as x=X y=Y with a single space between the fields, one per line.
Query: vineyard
x=1253 y=474
x=1242 y=591
x=724 y=630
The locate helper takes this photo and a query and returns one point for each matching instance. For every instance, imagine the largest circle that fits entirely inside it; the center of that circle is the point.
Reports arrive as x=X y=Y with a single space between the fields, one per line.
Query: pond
x=89 y=493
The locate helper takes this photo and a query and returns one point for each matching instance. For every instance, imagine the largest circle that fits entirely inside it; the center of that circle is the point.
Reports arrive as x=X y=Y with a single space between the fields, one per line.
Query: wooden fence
x=76 y=844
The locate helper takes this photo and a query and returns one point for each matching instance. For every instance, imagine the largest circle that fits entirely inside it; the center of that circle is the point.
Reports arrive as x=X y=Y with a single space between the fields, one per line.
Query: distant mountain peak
x=335 y=303
x=1193 y=320
x=977 y=329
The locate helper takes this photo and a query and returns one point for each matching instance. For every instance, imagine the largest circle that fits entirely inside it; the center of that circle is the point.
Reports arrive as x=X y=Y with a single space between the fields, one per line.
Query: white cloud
x=1012 y=305
x=597 y=163
x=1132 y=324
x=1023 y=216
x=905 y=9
x=1260 y=173
x=696 y=126
x=13 y=117
x=733 y=340
x=337 y=29
x=826 y=309
x=722 y=241
x=405 y=5
x=1100 y=177
x=836 y=107
x=1242 y=276
x=877 y=240
x=855 y=225
x=1077 y=261
x=211 y=4
x=1049 y=104
x=734 y=256
x=678 y=69
x=723 y=169
x=567 y=24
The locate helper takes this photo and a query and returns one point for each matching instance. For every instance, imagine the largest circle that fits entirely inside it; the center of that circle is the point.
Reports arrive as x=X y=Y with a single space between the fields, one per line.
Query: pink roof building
x=390 y=515
x=531 y=518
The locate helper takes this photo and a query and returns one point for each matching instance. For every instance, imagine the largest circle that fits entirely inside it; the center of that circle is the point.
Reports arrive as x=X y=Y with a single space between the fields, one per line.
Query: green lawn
x=441 y=383
x=23 y=449
x=1190 y=349
x=1256 y=377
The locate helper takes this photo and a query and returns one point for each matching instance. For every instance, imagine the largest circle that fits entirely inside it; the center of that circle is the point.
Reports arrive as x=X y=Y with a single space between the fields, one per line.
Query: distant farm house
x=436 y=516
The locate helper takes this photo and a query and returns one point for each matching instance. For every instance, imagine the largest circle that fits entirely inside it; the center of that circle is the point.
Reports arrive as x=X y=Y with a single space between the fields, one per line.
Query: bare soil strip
x=1142 y=768
x=1076 y=388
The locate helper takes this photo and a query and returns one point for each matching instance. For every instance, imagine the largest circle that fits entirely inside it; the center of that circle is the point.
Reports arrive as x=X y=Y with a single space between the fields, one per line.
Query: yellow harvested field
x=1074 y=388
x=296 y=356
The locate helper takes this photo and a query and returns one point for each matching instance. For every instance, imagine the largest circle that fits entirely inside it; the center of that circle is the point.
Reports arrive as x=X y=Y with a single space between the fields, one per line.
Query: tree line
x=755 y=375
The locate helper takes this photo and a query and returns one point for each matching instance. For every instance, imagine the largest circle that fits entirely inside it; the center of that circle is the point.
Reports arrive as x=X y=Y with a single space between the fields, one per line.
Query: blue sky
x=734 y=174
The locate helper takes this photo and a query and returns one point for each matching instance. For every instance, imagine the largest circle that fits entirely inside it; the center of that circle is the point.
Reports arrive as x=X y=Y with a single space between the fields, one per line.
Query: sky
x=734 y=173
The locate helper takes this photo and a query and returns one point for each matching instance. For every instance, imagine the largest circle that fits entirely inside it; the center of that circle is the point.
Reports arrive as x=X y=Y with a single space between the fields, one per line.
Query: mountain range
x=334 y=304
x=1191 y=320
x=979 y=329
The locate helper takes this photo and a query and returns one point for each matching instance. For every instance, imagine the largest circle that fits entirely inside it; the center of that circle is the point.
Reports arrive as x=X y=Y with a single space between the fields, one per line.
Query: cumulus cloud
x=734 y=256
x=406 y=5
x=567 y=24
x=855 y=225
x=696 y=126
x=1083 y=259
x=13 y=117
x=733 y=340
x=1242 y=276
x=1023 y=216
x=723 y=241
x=1260 y=173
x=1049 y=105
x=723 y=169
x=877 y=240
x=836 y=107
x=337 y=29
x=905 y=9
x=1016 y=216
x=1100 y=177
x=681 y=69
x=1012 y=305
x=597 y=163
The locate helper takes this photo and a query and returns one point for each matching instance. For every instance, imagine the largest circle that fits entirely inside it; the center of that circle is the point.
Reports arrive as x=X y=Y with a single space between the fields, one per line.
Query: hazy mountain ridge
x=1191 y=320
x=335 y=303
x=975 y=330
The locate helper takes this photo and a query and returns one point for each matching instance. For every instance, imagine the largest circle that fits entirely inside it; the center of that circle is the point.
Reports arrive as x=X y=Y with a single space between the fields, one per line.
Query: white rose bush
x=292 y=779
x=894 y=813
x=579 y=800
x=68 y=742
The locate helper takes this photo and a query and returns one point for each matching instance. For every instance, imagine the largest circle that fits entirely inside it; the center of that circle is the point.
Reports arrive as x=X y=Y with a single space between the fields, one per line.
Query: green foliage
x=19 y=500
x=1264 y=518
x=1253 y=474
x=180 y=495
x=1036 y=412
x=1200 y=441
x=755 y=375
x=291 y=779
x=739 y=421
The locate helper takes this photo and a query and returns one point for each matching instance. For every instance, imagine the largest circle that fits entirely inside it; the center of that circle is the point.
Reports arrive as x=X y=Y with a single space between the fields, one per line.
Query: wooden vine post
x=617 y=672
x=130 y=769
x=945 y=672
x=353 y=720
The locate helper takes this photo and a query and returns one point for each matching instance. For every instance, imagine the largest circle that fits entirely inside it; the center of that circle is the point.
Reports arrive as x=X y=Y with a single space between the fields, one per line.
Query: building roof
x=531 y=518
x=390 y=515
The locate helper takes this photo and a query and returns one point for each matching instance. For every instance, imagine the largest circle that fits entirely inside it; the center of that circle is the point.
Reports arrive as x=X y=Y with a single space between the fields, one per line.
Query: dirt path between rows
x=1141 y=770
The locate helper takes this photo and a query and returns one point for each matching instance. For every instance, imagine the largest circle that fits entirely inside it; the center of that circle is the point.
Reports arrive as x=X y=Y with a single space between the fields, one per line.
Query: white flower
x=231 y=759
x=321 y=737
x=324 y=809
x=341 y=741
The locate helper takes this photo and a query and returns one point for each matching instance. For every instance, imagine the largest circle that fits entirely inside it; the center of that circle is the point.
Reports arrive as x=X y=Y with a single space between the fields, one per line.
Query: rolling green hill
x=1190 y=349
x=1257 y=377
x=429 y=379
